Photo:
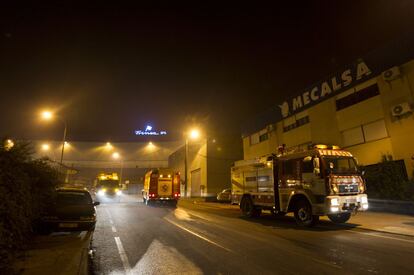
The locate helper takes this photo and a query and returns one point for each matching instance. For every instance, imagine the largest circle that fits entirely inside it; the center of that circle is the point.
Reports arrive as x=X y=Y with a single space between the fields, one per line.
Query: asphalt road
x=202 y=238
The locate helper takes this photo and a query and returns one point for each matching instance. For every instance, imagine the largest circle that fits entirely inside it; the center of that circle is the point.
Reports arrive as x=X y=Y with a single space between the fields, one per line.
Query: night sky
x=110 y=70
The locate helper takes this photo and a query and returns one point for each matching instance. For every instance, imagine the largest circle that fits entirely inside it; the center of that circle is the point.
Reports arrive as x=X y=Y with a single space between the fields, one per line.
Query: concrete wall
x=214 y=159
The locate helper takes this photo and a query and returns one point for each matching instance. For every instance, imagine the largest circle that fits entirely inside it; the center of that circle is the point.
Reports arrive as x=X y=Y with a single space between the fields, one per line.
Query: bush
x=387 y=180
x=26 y=185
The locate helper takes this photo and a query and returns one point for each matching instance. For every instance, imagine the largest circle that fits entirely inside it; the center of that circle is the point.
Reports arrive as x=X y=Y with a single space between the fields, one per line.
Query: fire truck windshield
x=340 y=165
x=108 y=184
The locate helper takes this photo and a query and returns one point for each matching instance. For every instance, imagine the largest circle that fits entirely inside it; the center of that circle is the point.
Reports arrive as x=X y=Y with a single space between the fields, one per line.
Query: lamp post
x=193 y=134
x=48 y=115
x=117 y=156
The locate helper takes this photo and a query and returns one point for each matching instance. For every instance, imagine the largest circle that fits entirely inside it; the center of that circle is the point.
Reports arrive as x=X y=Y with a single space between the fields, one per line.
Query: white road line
x=123 y=255
x=111 y=222
x=380 y=236
x=113 y=229
x=197 y=235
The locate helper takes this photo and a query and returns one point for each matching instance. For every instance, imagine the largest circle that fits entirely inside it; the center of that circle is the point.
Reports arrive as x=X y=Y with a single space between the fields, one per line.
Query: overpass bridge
x=87 y=159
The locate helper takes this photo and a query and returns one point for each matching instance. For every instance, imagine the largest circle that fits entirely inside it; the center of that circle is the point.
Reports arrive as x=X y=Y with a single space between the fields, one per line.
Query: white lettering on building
x=325 y=88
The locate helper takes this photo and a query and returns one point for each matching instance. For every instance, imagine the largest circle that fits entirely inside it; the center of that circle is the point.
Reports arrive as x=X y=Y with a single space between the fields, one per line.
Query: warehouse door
x=196 y=183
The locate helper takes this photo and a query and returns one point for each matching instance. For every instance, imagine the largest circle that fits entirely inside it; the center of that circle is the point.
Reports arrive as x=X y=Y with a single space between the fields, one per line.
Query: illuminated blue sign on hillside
x=150 y=132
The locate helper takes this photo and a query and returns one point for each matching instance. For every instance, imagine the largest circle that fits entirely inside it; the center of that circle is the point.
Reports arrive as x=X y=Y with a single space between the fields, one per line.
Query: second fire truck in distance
x=161 y=185
x=107 y=185
x=320 y=181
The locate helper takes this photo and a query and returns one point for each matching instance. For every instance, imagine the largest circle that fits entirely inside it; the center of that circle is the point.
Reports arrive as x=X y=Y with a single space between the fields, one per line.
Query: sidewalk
x=58 y=253
x=383 y=222
x=375 y=221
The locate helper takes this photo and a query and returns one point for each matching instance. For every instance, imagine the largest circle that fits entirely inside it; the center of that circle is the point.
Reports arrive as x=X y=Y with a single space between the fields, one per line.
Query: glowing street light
x=8 y=144
x=115 y=155
x=194 y=134
x=48 y=115
x=108 y=146
x=45 y=147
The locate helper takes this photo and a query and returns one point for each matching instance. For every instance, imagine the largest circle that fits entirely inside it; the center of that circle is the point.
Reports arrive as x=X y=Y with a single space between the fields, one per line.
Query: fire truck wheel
x=303 y=214
x=340 y=218
x=248 y=208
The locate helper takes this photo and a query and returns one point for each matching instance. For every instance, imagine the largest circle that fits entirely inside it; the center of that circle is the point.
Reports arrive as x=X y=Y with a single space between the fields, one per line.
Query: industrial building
x=208 y=165
x=366 y=107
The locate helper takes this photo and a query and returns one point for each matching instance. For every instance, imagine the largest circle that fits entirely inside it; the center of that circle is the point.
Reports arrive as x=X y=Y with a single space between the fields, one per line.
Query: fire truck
x=161 y=185
x=322 y=180
x=107 y=185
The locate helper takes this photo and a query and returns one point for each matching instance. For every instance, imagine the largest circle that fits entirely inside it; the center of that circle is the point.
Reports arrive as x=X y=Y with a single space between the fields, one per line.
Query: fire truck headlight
x=334 y=209
x=118 y=192
x=364 y=200
x=101 y=192
x=335 y=202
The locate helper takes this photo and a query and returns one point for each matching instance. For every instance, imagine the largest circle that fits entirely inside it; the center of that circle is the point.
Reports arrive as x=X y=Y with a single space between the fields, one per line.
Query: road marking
x=380 y=236
x=197 y=235
x=111 y=222
x=123 y=255
x=113 y=229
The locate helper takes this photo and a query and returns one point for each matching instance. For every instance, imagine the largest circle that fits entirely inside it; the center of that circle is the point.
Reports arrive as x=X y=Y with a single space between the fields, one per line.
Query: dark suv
x=72 y=210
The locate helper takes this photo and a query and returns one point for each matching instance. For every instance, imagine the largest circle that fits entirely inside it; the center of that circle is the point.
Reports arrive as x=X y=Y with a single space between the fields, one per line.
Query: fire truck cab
x=161 y=185
x=316 y=182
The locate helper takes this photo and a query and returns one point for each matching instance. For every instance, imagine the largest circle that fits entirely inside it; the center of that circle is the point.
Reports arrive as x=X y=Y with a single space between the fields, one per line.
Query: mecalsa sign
x=150 y=132
x=324 y=89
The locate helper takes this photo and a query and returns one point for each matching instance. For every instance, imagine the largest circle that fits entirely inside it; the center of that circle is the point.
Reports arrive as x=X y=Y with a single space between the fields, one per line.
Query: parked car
x=224 y=196
x=72 y=210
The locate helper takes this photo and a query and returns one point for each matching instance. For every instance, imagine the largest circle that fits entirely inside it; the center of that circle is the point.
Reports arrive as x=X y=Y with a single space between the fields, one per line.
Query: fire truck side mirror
x=316 y=166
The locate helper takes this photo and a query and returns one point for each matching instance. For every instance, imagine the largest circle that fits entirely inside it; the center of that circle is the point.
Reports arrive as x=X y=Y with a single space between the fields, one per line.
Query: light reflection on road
x=162 y=259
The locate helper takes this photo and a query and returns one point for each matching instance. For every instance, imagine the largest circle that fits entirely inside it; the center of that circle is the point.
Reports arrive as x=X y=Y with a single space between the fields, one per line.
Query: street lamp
x=48 y=115
x=116 y=156
x=45 y=147
x=193 y=134
x=8 y=144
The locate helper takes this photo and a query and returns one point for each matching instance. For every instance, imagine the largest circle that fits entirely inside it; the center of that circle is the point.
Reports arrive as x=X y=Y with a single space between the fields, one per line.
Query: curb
x=84 y=257
x=391 y=206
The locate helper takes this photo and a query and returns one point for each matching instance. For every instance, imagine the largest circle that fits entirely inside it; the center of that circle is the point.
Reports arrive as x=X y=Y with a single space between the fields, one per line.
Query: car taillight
x=152 y=195
x=176 y=195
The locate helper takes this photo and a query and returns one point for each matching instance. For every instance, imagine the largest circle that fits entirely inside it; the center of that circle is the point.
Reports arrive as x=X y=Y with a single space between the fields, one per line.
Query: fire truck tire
x=248 y=208
x=340 y=218
x=303 y=214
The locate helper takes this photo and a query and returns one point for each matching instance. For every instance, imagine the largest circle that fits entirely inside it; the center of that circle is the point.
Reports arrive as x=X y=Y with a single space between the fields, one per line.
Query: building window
x=263 y=137
x=368 y=132
x=299 y=122
x=254 y=139
x=352 y=136
x=375 y=130
x=250 y=178
x=357 y=97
